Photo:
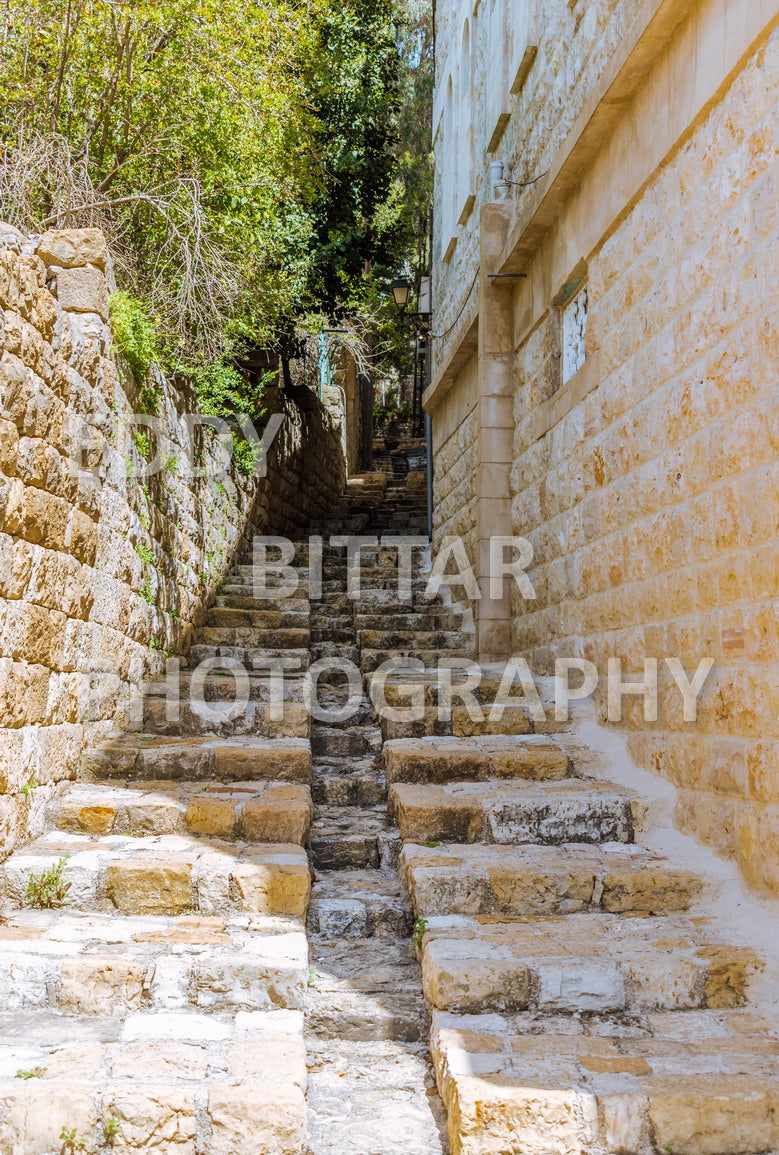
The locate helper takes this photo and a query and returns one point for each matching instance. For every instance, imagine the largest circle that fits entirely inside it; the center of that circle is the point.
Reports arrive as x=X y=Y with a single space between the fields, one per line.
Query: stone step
x=371 y=659
x=250 y=811
x=374 y=601
x=539 y=880
x=405 y=641
x=693 y=1083
x=193 y=759
x=236 y=617
x=218 y=684
x=347 y=838
x=250 y=657
x=353 y=742
x=515 y=719
x=240 y=593
x=402 y=617
x=334 y=634
x=438 y=760
x=245 y=571
x=165 y=874
x=359 y=904
x=101 y=964
x=172 y=1081
x=583 y=963
x=376 y=581
x=252 y=637
x=320 y=650
x=228 y=718
x=353 y=787
x=548 y=813
x=361 y=715
x=365 y=989
x=240 y=596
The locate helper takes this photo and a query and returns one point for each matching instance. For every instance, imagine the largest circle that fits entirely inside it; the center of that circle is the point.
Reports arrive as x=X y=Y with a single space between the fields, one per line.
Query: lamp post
x=419 y=322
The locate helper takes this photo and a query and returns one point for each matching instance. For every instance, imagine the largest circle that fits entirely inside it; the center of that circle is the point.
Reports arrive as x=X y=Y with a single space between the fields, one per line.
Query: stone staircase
x=586 y=996
x=160 y=1007
x=269 y=925
x=371 y=1087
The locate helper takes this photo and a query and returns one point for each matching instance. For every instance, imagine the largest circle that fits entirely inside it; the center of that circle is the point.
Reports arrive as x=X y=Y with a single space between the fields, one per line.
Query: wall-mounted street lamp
x=401 y=291
x=419 y=322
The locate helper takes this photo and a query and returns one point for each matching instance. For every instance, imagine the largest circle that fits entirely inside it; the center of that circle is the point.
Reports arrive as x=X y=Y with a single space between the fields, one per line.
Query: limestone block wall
x=454 y=478
x=575 y=39
x=103 y=570
x=653 y=502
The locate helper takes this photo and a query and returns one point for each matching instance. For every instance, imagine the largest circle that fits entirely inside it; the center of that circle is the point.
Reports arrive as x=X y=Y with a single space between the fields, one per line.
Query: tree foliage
x=245 y=158
x=183 y=128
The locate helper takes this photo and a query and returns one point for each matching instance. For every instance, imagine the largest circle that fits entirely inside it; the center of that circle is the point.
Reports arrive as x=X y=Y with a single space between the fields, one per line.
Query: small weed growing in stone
x=420 y=926
x=142 y=443
x=110 y=1129
x=48 y=889
x=134 y=333
x=150 y=399
x=70 y=1141
x=34 y=1073
x=28 y=786
x=432 y=845
x=144 y=553
x=311 y=981
x=147 y=593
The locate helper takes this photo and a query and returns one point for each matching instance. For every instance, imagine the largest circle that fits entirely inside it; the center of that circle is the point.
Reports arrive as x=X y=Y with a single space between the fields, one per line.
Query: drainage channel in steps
x=371 y=1087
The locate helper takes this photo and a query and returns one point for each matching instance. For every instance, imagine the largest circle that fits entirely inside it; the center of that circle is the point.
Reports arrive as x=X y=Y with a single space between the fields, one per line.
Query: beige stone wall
x=454 y=451
x=653 y=503
x=648 y=482
x=101 y=573
x=575 y=40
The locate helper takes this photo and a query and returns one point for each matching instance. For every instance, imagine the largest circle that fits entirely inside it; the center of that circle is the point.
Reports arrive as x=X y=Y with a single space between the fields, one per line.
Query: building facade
x=604 y=372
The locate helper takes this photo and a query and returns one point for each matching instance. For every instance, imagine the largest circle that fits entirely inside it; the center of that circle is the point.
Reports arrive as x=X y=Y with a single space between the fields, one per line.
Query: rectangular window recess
x=574 y=333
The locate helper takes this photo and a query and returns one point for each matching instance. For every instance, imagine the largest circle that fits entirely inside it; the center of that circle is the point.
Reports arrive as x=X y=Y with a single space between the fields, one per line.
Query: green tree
x=182 y=128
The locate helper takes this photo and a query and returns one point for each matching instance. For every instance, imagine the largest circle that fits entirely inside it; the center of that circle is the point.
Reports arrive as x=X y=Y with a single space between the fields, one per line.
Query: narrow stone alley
x=201 y=982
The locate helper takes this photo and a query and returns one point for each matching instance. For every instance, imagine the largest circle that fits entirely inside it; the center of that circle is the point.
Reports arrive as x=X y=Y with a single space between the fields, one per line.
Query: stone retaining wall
x=103 y=570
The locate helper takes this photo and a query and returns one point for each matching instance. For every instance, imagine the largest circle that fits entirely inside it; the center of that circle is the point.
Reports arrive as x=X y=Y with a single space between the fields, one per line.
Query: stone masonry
x=209 y=985
x=103 y=570
x=646 y=481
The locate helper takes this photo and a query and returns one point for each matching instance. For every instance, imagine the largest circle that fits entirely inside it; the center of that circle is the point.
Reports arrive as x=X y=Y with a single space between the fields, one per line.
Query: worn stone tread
x=254 y=811
x=239 y=758
x=571 y=810
x=165 y=874
x=358 y=903
x=692 y=1082
x=583 y=963
x=98 y=964
x=174 y=1081
x=572 y=878
x=372 y=1098
x=439 y=760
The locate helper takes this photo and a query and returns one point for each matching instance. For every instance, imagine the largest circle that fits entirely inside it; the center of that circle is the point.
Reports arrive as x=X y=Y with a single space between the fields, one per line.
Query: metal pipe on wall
x=429 y=449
